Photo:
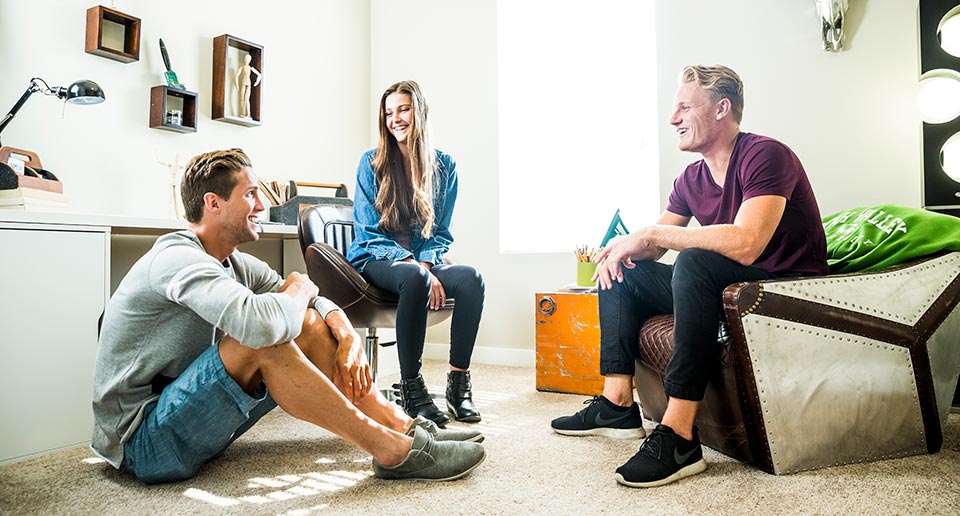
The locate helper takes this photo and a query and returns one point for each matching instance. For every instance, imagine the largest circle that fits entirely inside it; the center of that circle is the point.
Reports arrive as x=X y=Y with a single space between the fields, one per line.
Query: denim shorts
x=196 y=417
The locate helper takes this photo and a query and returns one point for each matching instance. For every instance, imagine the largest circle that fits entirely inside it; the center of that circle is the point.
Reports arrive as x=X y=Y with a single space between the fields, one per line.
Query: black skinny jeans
x=691 y=289
x=411 y=282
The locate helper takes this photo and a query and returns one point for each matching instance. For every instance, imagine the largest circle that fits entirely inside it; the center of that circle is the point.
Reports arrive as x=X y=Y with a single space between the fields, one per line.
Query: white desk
x=56 y=273
x=123 y=225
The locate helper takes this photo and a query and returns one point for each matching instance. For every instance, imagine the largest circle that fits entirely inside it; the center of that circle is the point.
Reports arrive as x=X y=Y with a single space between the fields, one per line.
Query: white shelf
x=123 y=225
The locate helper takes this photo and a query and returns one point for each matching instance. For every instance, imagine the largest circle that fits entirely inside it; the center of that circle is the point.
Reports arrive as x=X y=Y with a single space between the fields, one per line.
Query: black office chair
x=326 y=232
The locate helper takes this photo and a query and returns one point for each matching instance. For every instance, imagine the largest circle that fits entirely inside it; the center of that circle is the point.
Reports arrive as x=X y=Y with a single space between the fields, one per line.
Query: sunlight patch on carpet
x=287 y=487
x=267 y=482
x=304 y=512
x=203 y=496
x=255 y=499
x=480 y=397
x=495 y=424
x=331 y=478
x=93 y=460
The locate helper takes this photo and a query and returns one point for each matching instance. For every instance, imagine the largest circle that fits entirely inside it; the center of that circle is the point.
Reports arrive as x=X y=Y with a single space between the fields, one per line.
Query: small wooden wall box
x=568 y=343
x=158 y=109
x=96 y=16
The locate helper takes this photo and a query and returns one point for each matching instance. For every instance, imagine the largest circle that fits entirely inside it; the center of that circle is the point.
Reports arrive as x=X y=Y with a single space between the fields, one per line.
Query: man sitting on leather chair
x=759 y=220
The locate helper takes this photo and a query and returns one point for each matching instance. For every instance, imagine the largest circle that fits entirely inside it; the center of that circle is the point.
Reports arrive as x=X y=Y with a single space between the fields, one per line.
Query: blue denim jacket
x=372 y=243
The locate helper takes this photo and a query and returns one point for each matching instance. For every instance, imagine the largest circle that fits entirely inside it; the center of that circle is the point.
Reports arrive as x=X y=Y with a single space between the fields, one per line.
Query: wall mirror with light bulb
x=938 y=99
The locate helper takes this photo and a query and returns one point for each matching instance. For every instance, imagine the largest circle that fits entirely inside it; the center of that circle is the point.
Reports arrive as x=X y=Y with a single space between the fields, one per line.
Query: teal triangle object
x=616 y=228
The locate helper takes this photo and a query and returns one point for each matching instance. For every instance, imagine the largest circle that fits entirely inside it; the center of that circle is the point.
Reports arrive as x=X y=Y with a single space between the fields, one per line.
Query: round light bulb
x=949 y=32
x=938 y=98
x=950 y=157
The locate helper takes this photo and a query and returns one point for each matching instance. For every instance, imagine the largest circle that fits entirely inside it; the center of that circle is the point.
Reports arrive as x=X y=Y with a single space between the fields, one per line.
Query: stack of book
x=275 y=192
x=32 y=199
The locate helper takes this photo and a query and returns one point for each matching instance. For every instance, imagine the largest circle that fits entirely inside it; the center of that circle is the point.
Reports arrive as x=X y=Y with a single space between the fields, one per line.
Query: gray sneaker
x=433 y=460
x=445 y=434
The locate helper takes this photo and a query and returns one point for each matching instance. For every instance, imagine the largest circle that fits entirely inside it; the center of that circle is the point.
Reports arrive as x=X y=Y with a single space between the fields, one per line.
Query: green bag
x=862 y=239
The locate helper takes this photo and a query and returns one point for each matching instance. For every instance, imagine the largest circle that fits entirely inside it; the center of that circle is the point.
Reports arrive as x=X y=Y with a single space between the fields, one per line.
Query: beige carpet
x=286 y=467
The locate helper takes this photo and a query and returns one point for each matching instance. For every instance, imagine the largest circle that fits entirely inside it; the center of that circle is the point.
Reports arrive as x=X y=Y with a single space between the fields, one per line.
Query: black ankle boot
x=416 y=401
x=460 y=397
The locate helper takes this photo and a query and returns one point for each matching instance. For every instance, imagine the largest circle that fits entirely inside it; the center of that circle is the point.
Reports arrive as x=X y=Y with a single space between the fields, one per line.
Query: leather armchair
x=326 y=232
x=824 y=371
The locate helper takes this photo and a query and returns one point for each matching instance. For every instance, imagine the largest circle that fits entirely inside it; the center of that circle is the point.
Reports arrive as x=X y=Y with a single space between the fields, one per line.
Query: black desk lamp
x=80 y=92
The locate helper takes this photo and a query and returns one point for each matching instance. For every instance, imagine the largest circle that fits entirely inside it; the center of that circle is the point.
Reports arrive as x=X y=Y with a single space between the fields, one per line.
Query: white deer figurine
x=175 y=170
x=831 y=23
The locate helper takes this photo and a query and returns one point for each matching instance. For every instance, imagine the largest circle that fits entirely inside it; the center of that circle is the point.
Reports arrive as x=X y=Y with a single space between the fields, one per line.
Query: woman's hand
x=438 y=297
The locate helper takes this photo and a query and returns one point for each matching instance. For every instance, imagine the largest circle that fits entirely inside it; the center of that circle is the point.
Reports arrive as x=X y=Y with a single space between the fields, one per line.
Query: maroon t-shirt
x=759 y=166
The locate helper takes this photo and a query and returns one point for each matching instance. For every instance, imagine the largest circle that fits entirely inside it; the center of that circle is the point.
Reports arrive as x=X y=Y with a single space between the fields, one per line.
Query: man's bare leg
x=679 y=416
x=319 y=345
x=618 y=388
x=304 y=392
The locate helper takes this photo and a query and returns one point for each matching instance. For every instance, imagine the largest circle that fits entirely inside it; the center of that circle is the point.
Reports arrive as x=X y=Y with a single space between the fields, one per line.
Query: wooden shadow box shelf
x=164 y=99
x=99 y=19
x=222 y=79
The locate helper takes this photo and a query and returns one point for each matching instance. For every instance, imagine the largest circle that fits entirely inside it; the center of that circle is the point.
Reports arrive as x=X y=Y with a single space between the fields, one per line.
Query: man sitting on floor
x=759 y=220
x=200 y=341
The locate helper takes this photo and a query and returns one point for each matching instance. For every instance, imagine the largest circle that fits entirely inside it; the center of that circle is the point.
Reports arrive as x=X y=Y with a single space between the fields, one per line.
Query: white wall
x=314 y=106
x=450 y=48
x=850 y=116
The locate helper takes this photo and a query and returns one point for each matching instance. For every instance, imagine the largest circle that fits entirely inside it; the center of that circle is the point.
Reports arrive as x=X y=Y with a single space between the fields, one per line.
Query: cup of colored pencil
x=586 y=267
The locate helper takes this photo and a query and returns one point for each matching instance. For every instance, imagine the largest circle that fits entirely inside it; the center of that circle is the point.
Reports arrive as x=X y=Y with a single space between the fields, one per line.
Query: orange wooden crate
x=568 y=343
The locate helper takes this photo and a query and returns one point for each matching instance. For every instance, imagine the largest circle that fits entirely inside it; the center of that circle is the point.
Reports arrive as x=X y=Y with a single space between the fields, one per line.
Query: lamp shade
x=938 y=98
x=84 y=92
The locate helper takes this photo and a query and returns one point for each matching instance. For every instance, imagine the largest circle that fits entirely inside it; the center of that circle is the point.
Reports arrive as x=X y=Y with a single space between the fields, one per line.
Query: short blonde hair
x=720 y=82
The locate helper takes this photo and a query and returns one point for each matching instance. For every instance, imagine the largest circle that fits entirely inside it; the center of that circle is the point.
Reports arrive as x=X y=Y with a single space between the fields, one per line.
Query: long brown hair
x=400 y=202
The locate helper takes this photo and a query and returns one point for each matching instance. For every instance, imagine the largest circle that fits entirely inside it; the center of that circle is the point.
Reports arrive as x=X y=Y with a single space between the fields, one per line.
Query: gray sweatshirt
x=175 y=302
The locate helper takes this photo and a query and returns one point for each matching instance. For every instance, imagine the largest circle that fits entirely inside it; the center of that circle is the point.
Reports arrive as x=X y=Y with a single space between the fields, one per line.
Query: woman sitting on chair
x=405 y=195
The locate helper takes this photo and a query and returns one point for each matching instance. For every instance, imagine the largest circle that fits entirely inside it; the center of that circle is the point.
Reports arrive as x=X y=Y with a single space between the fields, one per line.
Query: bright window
x=577 y=121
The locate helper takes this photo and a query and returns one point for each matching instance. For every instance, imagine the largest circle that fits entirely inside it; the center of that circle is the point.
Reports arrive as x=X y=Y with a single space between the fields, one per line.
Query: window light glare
x=938 y=99
x=950 y=157
x=569 y=160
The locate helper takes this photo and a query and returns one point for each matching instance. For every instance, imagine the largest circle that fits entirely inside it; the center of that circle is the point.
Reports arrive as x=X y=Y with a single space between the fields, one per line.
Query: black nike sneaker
x=602 y=417
x=664 y=457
